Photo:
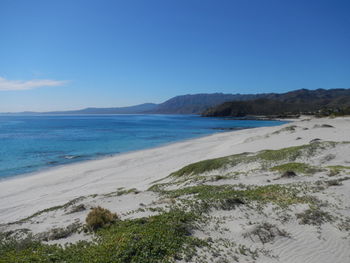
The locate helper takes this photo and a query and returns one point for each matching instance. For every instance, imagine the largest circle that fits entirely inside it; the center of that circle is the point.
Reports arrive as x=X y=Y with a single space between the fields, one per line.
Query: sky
x=72 y=54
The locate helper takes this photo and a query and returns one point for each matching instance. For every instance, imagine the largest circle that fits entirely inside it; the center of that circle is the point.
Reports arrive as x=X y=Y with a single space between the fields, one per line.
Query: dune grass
x=294 y=152
x=208 y=165
x=160 y=238
x=314 y=216
x=267 y=157
x=222 y=195
x=302 y=168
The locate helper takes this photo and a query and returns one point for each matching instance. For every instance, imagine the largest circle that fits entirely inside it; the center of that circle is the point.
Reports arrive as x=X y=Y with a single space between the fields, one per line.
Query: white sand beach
x=21 y=197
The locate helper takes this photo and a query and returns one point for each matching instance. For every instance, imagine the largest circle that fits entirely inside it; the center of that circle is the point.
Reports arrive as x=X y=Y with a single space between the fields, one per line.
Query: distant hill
x=324 y=102
x=196 y=103
x=185 y=104
x=114 y=110
x=220 y=104
x=117 y=110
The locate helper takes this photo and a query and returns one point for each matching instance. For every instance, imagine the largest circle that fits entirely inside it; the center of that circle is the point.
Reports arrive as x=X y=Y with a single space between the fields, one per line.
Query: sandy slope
x=21 y=197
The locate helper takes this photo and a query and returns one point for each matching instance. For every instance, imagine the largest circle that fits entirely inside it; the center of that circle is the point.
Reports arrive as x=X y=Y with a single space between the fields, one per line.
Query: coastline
x=24 y=195
x=111 y=155
x=52 y=206
x=94 y=138
x=55 y=177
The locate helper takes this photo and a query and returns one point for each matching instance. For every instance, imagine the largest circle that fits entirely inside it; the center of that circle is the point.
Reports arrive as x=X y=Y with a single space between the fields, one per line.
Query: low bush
x=100 y=217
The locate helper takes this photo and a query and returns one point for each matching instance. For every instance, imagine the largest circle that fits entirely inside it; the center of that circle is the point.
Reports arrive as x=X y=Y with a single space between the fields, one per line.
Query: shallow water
x=32 y=143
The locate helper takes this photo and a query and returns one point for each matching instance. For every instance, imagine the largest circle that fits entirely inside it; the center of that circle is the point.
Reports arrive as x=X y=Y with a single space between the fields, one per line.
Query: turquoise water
x=32 y=143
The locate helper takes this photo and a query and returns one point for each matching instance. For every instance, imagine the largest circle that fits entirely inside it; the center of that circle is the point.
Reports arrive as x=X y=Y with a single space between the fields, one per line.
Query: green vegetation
x=337 y=169
x=167 y=236
x=266 y=157
x=292 y=153
x=160 y=238
x=295 y=167
x=207 y=165
x=190 y=180
x=314 y=216
x=290 y=128
x=100 y=217
x=319 y=103
x=334 y=111
x=122 y=191
x=229 y=196
x=252 y=107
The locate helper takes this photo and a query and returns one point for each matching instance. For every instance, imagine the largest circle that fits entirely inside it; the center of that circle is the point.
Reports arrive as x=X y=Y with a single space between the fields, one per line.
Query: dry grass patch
x=100 y=217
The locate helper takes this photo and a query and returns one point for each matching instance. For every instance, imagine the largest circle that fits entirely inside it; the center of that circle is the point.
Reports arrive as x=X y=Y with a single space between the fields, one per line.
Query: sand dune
x=298 y=242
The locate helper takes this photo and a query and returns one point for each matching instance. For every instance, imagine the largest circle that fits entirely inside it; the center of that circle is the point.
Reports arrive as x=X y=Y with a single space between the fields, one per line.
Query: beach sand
x=98 y=182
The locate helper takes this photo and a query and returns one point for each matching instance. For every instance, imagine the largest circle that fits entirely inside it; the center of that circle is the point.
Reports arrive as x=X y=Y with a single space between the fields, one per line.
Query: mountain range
x=218 y=104
x=318 y=102
x=184 y=104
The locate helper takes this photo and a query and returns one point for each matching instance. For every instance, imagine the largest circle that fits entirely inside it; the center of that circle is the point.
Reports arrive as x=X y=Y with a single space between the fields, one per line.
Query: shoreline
x=47 y=162
x=107 y=156
x=272 y=193
x=58 y=171
x=24 y=195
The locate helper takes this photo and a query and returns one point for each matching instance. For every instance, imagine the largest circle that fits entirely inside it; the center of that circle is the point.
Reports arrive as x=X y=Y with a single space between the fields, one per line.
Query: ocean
x=32 y=143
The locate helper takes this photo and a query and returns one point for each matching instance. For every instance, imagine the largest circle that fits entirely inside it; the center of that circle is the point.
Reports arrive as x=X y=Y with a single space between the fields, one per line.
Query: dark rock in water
x=298 y=138
x=315 y=140
x=288 y=174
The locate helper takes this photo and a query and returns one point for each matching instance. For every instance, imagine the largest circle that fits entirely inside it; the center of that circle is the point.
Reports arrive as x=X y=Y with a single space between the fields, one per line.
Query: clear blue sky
x=70 y=54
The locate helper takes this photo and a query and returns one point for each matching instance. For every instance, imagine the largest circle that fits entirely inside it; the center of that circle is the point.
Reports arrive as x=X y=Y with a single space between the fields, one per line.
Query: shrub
x=100 y=217
x=314 y=216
